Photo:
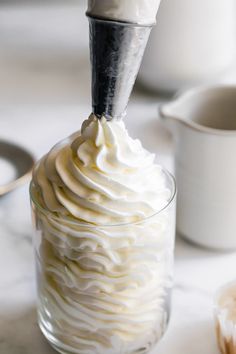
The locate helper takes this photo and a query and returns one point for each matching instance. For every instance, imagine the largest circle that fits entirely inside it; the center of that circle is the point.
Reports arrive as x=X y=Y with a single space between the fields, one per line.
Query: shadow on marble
x=195 y=338
x=19 y=333
x=185 y=249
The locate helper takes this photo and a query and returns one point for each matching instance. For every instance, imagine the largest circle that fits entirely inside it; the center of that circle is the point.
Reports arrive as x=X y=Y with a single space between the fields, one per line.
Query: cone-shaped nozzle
x=116 y=50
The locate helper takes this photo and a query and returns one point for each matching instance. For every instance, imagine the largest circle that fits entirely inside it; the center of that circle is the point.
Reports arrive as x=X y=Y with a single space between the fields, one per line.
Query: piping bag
x=119 y=31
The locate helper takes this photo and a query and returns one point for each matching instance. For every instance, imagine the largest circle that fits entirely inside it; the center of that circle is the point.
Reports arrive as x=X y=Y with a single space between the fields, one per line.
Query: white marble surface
x=44 y=96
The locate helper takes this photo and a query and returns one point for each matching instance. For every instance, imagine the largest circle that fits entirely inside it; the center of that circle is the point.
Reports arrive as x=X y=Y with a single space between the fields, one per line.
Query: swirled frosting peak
x=101 y=176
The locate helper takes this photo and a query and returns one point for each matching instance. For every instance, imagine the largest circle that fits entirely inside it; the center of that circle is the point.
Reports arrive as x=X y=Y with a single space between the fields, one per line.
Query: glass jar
x=104 y=288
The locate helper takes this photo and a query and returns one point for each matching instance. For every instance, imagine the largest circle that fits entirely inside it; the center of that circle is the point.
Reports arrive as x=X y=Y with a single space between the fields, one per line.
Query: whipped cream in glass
x=105 y=220
x=142 y=12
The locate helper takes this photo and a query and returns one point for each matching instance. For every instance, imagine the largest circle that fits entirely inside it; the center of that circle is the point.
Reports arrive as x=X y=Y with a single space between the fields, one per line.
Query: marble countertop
x=44 y=96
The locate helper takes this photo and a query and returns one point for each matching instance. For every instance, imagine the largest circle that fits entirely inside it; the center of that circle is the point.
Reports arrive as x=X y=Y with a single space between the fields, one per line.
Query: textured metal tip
x=116 y=50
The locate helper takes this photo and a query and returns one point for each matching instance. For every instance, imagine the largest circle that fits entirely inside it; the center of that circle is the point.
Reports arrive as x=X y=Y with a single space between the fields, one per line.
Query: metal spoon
x=22 y=162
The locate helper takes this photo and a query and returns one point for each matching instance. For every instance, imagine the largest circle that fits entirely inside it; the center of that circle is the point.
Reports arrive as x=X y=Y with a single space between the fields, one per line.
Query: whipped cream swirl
x=102 y=176
x=103 y=287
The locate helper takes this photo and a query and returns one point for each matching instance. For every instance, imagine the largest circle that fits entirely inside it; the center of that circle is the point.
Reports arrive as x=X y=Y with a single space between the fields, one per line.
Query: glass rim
x=91 y=225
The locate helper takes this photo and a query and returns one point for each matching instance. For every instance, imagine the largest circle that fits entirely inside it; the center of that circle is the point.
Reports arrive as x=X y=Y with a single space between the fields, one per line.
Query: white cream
x=135 y=11
x=103 y=287
x=103 y=176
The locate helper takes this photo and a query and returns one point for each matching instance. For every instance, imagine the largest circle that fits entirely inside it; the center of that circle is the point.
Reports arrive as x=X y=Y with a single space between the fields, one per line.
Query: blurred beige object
x=192 y=43
x=225 y=314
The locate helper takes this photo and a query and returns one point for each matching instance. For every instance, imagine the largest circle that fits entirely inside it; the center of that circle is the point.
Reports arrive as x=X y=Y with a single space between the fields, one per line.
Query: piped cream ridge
x=101 y=176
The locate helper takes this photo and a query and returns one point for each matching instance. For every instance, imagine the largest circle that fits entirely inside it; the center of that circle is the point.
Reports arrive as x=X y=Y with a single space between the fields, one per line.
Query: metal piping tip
x=116 y=51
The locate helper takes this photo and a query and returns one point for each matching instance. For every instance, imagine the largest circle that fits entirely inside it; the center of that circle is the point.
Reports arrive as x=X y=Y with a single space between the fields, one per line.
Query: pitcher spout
x=169 y=116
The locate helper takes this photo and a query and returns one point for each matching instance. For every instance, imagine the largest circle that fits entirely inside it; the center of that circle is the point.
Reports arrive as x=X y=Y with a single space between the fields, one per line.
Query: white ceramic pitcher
x=203 y=122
